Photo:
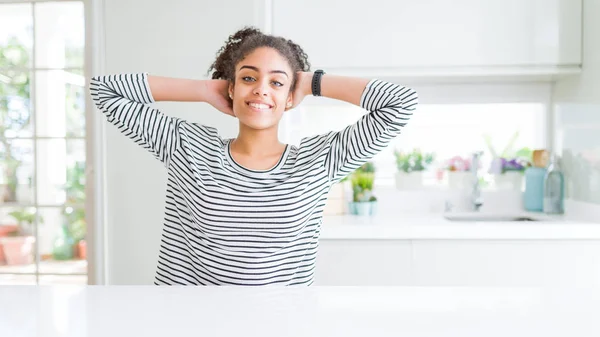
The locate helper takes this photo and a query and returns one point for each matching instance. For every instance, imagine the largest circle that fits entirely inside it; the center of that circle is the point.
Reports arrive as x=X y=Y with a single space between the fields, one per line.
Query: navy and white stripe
x=228 y=225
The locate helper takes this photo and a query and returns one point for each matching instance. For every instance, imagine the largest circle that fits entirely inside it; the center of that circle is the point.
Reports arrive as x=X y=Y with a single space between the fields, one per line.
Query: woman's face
x=262 y=88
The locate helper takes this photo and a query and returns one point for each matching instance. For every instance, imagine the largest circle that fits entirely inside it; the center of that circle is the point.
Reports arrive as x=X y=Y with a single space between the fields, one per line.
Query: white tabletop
x=308 y=311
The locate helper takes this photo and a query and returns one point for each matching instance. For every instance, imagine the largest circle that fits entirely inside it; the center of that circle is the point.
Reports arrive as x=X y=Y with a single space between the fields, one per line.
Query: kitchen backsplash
x=578 y=142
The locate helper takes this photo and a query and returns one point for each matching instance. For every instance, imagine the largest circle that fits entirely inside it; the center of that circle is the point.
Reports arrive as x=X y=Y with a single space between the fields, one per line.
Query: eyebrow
x=270 y=72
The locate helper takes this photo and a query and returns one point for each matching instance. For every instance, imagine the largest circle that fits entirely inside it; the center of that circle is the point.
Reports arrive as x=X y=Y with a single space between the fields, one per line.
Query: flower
x=502 y=165
x=458 y=163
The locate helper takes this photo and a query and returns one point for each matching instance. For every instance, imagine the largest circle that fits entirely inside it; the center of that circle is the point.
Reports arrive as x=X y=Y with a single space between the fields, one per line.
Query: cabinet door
x=363 y=263
x=506 y=263
x=351 y=34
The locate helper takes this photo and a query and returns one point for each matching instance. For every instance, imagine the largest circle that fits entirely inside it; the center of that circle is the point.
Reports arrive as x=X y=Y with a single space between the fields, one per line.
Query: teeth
x=259 y=106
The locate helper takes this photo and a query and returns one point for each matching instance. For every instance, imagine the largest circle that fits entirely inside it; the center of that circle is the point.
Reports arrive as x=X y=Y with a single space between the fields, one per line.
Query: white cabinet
x=363 y=263
x=506 y=262
x=519 y=263
x=432 y=36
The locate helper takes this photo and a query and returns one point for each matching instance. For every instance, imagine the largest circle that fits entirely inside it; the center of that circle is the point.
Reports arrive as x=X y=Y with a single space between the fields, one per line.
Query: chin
x=258 y=125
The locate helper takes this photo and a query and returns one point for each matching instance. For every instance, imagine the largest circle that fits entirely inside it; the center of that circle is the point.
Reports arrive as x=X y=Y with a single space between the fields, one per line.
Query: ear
x=230 y=90
x=289 y=102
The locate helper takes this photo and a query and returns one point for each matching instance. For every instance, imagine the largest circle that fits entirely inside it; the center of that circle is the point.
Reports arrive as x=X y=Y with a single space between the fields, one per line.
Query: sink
x=487 y=217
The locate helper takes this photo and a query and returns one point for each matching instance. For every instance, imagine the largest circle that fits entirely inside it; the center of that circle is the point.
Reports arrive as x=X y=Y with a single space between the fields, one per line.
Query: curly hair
x=245 y=41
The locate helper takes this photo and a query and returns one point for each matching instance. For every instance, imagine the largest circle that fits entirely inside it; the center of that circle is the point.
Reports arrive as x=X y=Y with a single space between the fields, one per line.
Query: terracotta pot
x=82 y=249
x=18 y=250
x=4 y=231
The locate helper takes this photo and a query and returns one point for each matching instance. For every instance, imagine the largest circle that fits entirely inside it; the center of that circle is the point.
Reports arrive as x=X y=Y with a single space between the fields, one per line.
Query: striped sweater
x=225 y=224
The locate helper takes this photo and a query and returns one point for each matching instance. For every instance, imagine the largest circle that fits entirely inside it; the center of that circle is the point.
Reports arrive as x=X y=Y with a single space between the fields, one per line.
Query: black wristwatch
x=316 y=82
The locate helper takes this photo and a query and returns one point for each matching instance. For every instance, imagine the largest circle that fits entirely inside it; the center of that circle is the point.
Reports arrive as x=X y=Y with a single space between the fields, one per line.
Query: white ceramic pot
x=511 y=180
x=409 y=181
x=459 y=180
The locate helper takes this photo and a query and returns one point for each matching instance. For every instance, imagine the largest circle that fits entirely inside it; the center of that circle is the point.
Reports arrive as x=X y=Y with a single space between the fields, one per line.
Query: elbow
x=409 y=99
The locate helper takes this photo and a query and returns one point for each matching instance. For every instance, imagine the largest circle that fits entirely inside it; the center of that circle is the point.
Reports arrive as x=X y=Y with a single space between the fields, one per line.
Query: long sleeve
x=390 y=107
x=124 y=99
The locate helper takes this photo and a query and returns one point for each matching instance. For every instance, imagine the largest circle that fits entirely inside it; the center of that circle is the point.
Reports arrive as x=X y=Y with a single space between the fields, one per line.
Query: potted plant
x=410 y=168
x=363 y=201
x=458 y=170
x=18 y=245
x=14 y=115
x=508 y=166
x=508 y=172
x=74 y=210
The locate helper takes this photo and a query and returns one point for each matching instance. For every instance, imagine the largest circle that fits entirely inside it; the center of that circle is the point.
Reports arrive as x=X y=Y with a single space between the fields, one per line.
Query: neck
x=257 y=142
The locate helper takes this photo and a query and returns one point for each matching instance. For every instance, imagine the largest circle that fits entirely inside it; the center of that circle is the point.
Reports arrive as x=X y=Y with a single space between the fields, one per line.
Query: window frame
x=92 y=273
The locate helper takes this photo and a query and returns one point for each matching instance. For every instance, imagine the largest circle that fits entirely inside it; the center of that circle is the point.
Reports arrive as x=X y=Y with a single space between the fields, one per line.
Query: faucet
x=476 y=199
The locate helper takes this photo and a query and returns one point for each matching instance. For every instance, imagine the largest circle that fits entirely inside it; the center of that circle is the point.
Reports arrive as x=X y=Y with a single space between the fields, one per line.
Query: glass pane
x=60 y=171
x=60 y=102
x=17 y=239
x=63 y=279
x=62 y=245
x=59 y=32
x=17 y=279
x=16 y=171
x=16 y=35
x=15 y=104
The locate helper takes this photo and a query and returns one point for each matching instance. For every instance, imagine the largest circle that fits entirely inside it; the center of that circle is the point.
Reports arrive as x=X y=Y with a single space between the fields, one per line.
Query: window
x=446 y=127
x=42 y=143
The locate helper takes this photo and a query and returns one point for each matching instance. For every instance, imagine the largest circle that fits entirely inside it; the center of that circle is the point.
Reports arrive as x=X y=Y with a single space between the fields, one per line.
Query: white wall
x=177 y=38
x=577 y=117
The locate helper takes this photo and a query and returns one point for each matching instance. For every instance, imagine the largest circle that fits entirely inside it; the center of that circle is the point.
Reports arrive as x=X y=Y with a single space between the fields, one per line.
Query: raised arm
x=390 y=107
x=125 y=101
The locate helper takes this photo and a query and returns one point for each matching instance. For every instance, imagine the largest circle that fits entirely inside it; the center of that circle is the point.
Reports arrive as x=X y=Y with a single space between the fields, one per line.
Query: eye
x=248 y=79
x=277 y=83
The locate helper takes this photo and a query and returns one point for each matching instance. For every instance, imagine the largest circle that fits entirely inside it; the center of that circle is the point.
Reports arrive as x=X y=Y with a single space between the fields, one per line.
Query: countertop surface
x=465 y=226
x=148 y=311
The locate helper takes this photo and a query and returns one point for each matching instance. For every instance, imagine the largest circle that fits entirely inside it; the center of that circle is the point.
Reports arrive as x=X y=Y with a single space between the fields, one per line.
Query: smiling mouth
x=259 y=106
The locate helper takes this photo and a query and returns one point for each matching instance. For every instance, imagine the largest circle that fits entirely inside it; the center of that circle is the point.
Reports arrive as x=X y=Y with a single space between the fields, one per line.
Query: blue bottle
x=533 y=197
x=554 y=188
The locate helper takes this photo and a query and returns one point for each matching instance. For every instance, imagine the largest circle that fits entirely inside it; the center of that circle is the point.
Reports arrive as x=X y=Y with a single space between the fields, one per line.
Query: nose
x=261 y=88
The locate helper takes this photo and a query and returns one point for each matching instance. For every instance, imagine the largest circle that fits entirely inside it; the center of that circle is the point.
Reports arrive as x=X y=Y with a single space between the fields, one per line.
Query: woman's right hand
x=216 y=94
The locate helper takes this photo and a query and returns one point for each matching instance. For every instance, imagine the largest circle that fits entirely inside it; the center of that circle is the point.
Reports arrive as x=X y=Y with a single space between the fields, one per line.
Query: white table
x=309 y=311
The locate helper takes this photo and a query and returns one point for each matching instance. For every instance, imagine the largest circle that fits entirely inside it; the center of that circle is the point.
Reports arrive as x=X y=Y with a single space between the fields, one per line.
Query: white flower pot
x=459 y=180
x=409 y=181
x=511 y=180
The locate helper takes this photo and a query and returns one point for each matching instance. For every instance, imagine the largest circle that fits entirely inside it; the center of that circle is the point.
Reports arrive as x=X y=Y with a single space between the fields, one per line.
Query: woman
x=248 y=210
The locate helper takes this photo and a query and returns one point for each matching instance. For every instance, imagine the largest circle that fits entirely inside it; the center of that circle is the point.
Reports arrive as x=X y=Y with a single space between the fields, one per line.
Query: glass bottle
x=554 y=188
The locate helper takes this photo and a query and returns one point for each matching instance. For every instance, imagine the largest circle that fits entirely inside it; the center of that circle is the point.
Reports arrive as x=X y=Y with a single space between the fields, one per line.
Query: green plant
x=367 y=167
x=25 y=220
x=414 y=161
x=362 y=186
x=74 y=209
x=508 y=152
x=14 y=111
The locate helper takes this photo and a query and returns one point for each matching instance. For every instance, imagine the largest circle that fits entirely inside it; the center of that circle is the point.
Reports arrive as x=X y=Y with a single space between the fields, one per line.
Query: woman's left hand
x=303 y=89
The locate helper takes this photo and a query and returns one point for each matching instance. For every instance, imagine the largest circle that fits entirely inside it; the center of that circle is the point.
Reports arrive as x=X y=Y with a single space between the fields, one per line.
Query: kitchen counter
x=436 y=227
x=297 y=311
